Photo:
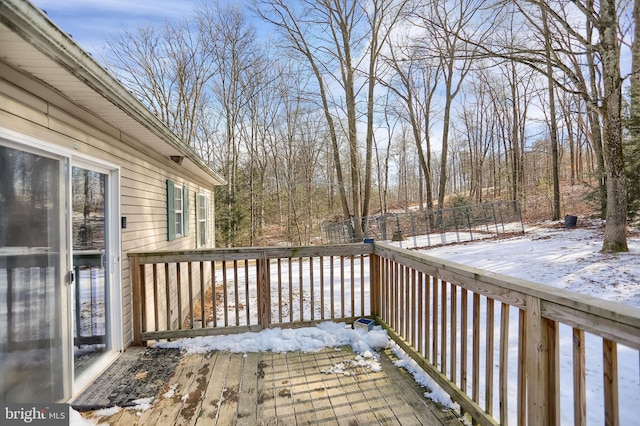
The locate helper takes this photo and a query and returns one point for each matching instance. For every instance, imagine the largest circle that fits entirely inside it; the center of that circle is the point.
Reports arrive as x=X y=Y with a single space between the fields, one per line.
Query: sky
x=88 y=21
x=548 y=254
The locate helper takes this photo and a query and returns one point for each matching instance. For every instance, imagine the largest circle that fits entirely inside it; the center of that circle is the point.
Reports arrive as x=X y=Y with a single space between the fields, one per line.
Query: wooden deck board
x=212 y=397
x=302 y=398
x=266 y=404
x=268 y=388
x=248 y=396
x=285 y=410
x=318 y=390
x=193 y=394
x=228 y=394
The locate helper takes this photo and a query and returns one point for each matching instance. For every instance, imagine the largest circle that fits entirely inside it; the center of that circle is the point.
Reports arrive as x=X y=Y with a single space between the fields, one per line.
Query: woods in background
x=314 y=109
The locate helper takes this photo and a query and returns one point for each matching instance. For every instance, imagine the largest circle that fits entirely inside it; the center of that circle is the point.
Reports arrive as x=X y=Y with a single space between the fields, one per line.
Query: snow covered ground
x=558 y=257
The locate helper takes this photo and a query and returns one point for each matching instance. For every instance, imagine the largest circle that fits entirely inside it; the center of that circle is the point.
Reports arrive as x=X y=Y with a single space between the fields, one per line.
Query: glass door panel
x=33 y=334
x=90 y=265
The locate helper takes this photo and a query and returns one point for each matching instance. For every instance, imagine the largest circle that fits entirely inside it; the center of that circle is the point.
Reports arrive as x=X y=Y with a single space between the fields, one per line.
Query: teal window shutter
x=171 y=212
x=198 y=236
x=185 y=209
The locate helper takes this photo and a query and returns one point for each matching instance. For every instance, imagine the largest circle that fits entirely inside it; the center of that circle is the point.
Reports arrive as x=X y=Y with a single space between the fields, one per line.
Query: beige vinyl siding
x=43 y=114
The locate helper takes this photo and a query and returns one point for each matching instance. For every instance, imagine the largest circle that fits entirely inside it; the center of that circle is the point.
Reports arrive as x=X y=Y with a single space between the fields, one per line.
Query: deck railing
x=501 y=347
x=493 y=341
x=221 y=291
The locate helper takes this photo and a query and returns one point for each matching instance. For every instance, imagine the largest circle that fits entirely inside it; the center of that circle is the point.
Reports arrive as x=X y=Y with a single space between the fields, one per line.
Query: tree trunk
x=445 y=138
x=615 y=235
x=594 y=121
x=553 y=128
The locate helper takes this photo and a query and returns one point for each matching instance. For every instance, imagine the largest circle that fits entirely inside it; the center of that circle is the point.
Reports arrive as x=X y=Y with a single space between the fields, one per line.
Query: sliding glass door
x=34 y=354
x=91 y=266
x=59 y=271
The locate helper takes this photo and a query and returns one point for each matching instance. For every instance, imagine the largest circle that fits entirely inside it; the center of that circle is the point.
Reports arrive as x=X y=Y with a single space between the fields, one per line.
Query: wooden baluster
x=280 y=291
x=236 y=292
x=156 y=308
x=488 y=385
x=353 y=285
x=427 y=317
x=414 y=317
x=301 y=288
x=504 y=364
x=179 y=291
x=443 y=327
x=246 y=292
x=454 y=332
x=225 y=294
x=362 y=286
x=522 y=370
x=264 y=291
x=167 y=290
x=579 y=379
x=332 y=289
x=420 y=313
x=191 y=310
x=475 y=381
x=435 y=324
x=321 y=287
x=311 y=284
x=203 y=305
x=610 y=377
x=290 y=262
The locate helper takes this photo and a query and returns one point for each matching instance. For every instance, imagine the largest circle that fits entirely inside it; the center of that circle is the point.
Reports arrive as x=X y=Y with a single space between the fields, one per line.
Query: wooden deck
x=291 y=389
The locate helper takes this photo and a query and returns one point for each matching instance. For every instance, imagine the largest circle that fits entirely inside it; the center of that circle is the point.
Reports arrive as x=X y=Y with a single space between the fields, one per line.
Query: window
x=177 y=210
x=202 y=207
x=178 y=206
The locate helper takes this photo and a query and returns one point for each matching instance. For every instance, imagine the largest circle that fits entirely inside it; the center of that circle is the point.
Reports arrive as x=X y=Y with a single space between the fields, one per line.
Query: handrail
x=249 y=253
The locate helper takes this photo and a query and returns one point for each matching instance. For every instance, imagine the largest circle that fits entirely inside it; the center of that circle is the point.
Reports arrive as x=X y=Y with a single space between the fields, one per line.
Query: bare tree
x=167 y=68
x=561 y=22
x=232 y=45
x=447 y=25
x=632 y=155
x=261 y=115
x=479 y=128
x=333 y=37
x=553 y=123
x=414 y=81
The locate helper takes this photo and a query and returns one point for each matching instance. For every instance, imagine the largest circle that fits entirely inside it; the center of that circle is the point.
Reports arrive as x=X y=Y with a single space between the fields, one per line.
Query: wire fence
x=419 y=229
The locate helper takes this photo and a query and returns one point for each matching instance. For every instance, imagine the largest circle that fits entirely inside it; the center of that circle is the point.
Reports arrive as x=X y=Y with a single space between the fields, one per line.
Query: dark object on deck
x=570 y=221
x=368 y=240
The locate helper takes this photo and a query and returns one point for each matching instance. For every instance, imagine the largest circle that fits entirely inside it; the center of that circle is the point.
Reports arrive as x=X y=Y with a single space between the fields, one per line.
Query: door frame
x=113 y=243
x=24 y=143
x=71 y=157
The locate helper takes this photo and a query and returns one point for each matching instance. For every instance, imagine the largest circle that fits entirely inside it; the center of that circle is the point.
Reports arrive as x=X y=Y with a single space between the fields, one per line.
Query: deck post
x=136 y=300
x=541 y=366
x=374 y=284
x=264 y=291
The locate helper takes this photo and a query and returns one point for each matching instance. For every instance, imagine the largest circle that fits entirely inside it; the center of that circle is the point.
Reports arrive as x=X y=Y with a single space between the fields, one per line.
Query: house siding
x=31 y=108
